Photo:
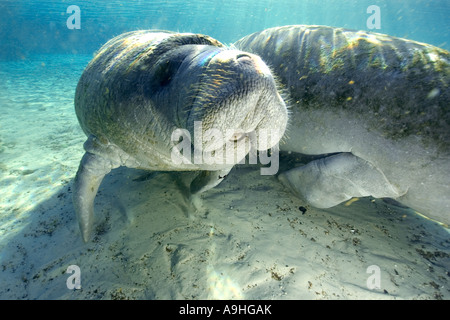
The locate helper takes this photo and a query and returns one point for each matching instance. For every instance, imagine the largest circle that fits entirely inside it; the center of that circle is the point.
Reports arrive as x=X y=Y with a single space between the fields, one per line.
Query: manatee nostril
x=237 y=136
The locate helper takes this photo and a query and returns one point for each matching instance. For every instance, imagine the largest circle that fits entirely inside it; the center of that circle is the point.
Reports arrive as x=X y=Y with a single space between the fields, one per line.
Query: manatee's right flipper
x=207 y=180
x=329 y=181
x=91 y=172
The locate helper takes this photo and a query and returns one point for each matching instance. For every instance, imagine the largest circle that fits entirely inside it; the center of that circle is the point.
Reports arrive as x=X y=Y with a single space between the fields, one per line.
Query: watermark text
x=74 y=20
x=212 y=147
x=374 y=20
x=73 y=281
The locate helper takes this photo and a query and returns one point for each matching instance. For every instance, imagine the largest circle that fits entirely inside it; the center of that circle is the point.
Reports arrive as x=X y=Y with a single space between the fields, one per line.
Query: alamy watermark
x=73 y=281
x=74 y=20
x=374 y=280
x=374 y=21
x=213 y=147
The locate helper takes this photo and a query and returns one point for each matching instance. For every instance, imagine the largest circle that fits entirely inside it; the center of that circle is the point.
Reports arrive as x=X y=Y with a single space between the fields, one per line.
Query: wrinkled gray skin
x=143 y=85
x=381 y=103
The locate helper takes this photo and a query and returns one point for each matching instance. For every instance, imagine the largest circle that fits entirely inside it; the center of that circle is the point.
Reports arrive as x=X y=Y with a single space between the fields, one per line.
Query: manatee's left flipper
x=91 y=172
x=329 y=181
x=207 y=180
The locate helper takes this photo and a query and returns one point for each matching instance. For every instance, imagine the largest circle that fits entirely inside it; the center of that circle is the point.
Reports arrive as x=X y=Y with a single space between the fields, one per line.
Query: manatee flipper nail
x=207 y=180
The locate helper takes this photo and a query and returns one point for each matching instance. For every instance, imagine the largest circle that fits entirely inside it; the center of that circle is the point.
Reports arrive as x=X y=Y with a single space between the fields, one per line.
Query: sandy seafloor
x=245 y=239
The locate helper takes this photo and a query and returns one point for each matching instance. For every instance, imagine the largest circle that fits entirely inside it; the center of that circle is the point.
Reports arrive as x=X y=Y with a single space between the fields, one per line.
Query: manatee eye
x=166 y=71
x=242 y=56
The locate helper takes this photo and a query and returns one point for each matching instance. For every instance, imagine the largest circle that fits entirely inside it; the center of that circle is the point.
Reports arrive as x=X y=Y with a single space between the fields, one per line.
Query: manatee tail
x=91 y=172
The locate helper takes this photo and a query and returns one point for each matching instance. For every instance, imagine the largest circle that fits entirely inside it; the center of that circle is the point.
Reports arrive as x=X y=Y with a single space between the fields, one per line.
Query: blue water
x=27 y=27
x=41 y=60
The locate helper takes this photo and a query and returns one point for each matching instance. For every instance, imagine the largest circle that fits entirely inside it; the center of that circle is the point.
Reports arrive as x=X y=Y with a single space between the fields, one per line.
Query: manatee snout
x=239 y=96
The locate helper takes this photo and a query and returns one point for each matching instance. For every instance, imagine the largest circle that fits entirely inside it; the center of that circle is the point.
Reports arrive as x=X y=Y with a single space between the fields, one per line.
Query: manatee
x=373 y=108
x=143 y=86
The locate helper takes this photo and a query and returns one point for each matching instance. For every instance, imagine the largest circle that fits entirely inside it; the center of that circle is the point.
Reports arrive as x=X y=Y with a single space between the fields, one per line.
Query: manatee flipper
x=207 y=180
x=329 y=181
x=90 y=174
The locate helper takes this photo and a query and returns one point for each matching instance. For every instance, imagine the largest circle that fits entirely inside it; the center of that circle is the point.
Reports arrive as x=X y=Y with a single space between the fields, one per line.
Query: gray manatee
x=143 y=86
x=379 y=105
